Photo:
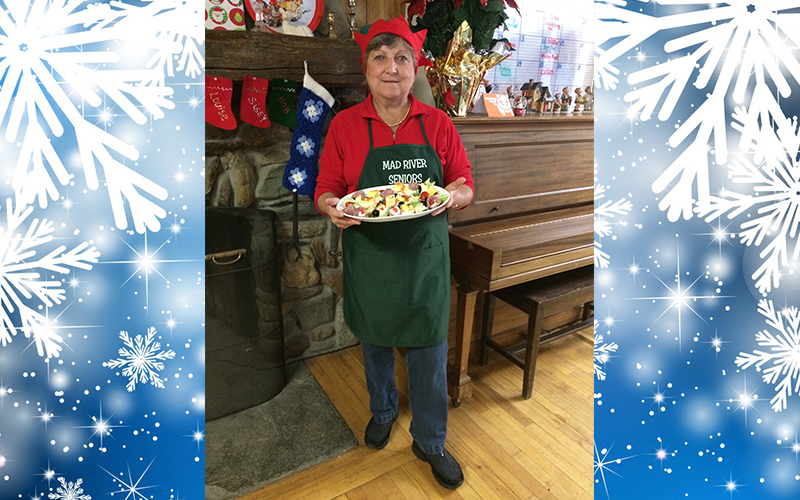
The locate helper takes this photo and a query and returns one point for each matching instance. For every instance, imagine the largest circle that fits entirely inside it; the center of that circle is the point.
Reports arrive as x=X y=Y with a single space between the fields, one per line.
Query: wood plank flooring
x=509 y=448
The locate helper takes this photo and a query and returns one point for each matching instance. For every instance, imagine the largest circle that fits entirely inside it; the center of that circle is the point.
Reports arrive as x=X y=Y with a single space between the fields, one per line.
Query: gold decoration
x=352 y=13
x=331 y=17
x=455 y=78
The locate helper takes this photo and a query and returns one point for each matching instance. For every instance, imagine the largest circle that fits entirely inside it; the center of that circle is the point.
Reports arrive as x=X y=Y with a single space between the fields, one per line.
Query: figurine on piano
x=579 y=99
x=589 y=99
x=566 y=100
x=397 y=274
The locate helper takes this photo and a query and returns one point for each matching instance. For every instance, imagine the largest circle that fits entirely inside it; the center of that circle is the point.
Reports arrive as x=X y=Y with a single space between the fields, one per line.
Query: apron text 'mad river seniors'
x=397 y=274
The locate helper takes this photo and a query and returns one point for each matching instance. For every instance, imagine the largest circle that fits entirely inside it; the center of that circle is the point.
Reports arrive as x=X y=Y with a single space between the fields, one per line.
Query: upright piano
x=531 y=216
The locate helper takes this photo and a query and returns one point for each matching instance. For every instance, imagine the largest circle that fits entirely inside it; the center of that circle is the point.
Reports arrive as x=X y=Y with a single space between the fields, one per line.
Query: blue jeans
x=427 y=388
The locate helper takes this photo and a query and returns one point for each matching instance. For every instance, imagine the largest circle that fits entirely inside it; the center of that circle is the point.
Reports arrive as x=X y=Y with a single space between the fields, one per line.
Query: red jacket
x=347 y=144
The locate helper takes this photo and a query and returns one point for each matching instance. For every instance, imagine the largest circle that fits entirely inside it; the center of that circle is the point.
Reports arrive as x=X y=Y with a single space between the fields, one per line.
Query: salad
x=394 y=201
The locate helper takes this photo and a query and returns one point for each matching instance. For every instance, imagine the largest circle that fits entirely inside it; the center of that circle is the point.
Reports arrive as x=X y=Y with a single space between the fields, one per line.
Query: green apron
x=397 y=274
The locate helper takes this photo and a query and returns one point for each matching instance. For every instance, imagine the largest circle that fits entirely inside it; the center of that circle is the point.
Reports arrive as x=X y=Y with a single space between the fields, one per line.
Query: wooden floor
x=509 y=448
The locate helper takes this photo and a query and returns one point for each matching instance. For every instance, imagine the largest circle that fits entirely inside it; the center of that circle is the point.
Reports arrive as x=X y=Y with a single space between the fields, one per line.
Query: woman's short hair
x=387 y=40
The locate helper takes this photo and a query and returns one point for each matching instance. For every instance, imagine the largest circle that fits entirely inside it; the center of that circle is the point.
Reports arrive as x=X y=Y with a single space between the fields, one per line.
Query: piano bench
x=538 y=299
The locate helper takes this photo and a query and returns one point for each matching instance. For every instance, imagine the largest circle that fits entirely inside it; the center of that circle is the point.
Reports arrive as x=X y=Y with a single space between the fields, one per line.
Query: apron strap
x=369 y=127
x=425 y=135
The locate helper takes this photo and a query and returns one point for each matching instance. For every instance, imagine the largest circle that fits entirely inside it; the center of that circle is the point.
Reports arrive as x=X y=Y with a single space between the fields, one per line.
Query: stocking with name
x=253 y=105
x=218 y=102
x=282 y=97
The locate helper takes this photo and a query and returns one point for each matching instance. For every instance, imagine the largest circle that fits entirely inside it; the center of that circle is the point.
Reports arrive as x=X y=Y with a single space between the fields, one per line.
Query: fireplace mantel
x=233 y=54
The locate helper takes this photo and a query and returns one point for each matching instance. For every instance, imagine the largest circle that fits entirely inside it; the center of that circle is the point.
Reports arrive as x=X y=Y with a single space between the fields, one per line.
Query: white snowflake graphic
x=770 y=207
x=783 y=357
x=602 y=226
x=725 y=49
x=602 y=352
x=70 y=71
x=771 y=214
x=27 y=290
x=69 y=491
x=174 y=29
x=141 y=360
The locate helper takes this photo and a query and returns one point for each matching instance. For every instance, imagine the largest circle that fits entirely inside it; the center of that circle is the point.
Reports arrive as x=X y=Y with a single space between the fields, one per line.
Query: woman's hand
x=460 y=196
x=338 y=217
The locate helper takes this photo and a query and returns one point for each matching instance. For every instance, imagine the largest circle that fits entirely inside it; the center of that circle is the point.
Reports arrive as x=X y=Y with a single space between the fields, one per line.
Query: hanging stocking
x=282 y=95
x=218 y=102
x=301 y=171
x=253 y=105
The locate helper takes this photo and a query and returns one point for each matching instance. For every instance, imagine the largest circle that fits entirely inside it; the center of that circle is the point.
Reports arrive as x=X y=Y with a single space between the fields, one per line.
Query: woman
x=397 y=275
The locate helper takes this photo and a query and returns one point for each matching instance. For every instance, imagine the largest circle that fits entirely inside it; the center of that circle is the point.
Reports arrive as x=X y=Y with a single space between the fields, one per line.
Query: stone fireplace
x=249 y=174
x=244 y=169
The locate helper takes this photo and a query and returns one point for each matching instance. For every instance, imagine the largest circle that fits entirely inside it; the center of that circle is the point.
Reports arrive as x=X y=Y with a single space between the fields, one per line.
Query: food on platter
x=393 y=202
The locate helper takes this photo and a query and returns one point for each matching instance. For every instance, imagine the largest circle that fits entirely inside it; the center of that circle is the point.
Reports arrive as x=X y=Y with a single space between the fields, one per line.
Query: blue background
x=714 y=444
x=155 y=436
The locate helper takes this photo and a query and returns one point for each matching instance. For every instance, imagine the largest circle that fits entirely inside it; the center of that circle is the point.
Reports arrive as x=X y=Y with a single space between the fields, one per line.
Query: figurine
x=589 y=99
x=566 y=100
x=271 y=15
x=510 y=92
x=519 y=104
x=260 y=15
x=579 y=99
x=290 y=11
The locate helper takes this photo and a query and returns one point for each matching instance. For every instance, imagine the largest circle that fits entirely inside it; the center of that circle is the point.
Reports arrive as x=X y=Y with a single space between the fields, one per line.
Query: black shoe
x=377 y=435
x=445 y=469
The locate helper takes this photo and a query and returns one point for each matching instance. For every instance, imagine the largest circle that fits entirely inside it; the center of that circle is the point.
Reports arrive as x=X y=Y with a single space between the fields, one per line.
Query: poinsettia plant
x=442 y=17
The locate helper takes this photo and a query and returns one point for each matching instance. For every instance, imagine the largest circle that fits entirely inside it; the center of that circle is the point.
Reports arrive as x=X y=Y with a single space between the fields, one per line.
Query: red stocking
x=218 y=102
x=254 y=97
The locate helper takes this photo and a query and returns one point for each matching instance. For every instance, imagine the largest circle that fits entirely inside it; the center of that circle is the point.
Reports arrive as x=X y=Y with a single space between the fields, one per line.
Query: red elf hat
x=399 y=27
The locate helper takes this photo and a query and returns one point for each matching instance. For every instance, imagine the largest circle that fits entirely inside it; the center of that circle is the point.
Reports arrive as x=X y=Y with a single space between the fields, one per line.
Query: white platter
x=392 y=218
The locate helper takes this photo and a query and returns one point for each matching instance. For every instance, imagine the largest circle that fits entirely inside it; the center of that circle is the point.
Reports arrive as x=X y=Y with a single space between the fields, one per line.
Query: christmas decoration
x=282 y=97
x=300 y=175
x=228 y=15
x=441 y=18
x=218 y=102
x=461 y=46
x=455 y=78
x=253 y=105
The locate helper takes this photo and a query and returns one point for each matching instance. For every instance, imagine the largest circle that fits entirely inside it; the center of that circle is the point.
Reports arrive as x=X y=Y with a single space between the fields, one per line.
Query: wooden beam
x=233 y=54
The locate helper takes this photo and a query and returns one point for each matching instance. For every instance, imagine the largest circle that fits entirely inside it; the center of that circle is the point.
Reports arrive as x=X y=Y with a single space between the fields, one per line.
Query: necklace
x=392 y=125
